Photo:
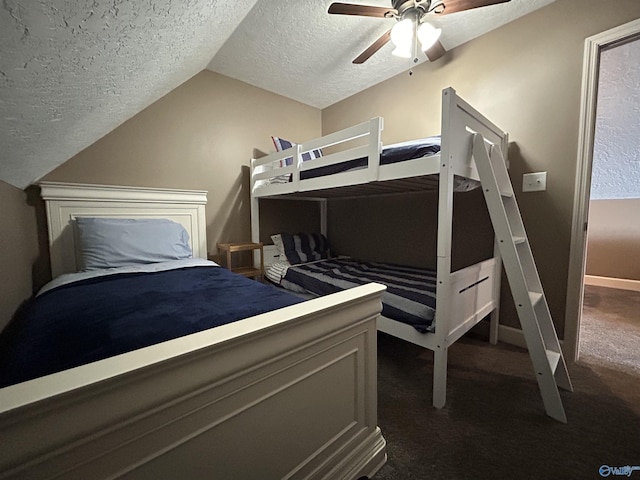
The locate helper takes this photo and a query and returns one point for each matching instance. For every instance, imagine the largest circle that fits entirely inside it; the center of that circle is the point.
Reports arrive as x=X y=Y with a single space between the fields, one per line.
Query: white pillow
x=116 y=242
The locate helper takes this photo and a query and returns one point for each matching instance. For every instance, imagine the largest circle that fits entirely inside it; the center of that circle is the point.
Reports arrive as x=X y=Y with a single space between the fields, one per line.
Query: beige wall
x=526 y=77
x=20 y=255
x=385 y=229
x=201 y=135
x=277 y=216
x=613 y=248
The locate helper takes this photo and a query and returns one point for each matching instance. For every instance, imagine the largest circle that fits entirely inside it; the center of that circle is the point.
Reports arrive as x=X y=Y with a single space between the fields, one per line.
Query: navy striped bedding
x=304 y=247
x=410 y=296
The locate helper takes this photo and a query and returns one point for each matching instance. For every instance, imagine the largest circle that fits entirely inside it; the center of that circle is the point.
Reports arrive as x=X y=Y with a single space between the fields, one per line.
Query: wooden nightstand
x=251 y=271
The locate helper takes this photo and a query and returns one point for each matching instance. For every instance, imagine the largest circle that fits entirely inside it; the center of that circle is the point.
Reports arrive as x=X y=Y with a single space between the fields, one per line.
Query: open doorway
x=610 y=319
x=596 y=48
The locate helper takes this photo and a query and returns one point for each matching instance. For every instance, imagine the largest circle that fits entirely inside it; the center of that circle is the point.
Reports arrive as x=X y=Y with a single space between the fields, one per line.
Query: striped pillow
x=281 y=144
x=304 y=247
x=277 y=270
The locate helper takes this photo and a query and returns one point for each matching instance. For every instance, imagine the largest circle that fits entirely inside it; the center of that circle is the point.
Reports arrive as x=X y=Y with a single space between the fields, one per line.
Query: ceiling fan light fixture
x=402 y=34
x=402 y=52
x=428 y=35
x=409 y=28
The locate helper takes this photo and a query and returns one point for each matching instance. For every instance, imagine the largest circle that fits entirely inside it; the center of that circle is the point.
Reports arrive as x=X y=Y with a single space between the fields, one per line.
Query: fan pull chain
x=415 y=46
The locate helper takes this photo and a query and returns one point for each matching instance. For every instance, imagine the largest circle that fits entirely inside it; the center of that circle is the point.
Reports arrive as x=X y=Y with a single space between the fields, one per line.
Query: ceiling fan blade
x=453 y=6
x=373 y=48
x=361 y=10
x=435 y=52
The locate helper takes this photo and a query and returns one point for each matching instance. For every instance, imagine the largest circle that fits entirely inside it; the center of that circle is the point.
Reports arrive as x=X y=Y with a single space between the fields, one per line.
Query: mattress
x=75 y=322
x=410 y=296
x=398 y=152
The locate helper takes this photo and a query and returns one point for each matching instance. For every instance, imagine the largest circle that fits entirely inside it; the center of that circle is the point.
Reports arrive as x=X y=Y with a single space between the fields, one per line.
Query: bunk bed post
x=323 y=217
x=376 y=126
x=445 y=215
x=297 y=161
x=255 y=219
x=255 y=214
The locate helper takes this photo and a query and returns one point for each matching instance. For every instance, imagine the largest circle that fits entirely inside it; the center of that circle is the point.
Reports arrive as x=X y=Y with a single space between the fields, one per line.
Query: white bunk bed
x=289 y=393
x=463 y=297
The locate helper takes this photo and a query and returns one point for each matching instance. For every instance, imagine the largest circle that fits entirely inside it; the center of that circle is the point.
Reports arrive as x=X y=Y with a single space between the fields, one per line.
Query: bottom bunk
x=410 y=296
x=409 y=302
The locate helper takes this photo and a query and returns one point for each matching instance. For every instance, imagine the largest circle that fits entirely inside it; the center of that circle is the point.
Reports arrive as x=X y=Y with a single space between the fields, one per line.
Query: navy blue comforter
x=98 y=318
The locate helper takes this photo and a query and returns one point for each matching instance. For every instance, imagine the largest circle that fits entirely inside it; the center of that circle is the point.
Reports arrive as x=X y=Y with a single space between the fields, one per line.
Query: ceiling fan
x=411 y=27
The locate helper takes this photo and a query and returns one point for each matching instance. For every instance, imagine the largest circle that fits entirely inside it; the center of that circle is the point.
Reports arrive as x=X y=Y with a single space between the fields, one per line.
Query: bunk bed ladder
x=528 y=295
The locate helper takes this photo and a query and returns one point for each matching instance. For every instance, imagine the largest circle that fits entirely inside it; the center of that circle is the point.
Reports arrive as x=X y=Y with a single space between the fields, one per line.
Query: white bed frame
x=463 y=297
x=286 y=394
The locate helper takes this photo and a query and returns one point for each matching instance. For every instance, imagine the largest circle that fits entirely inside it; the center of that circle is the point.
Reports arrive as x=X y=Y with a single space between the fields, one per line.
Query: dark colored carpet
x=494 y=425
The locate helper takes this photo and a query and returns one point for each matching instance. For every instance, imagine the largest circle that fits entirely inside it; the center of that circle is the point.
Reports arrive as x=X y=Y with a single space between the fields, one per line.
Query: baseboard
x=512 y=336
x=610 y=282
x=515 y=336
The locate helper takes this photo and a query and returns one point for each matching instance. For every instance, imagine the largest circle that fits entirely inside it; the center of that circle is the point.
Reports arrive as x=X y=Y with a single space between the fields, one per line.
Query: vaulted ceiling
x=73 y=70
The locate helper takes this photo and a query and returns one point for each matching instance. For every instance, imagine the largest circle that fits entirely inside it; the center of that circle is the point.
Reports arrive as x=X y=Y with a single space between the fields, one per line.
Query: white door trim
x=577 y=256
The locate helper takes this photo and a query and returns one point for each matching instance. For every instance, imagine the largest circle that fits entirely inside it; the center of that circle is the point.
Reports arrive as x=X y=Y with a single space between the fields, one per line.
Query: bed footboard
x=287 y=394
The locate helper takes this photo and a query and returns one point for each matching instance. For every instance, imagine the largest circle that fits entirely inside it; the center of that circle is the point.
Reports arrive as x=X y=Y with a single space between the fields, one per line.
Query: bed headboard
x=66 y=201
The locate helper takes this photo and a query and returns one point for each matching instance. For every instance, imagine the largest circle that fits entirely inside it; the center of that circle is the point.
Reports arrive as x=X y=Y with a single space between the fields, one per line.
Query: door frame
x=577 y=254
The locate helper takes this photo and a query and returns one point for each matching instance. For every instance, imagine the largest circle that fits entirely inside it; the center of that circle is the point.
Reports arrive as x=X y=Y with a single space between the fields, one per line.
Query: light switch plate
x=534 y=182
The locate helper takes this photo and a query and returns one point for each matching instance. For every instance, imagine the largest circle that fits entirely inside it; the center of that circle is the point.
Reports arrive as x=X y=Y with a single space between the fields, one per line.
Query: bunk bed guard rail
x=279 y=173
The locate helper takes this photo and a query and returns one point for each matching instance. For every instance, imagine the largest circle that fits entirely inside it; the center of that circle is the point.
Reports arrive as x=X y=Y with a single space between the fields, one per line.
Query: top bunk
x=328 y=167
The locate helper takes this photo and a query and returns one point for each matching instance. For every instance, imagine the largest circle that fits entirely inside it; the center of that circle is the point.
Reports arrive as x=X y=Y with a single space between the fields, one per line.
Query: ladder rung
x=519 y=240
x=554 y=359
x=535 y=297
x=506 y=193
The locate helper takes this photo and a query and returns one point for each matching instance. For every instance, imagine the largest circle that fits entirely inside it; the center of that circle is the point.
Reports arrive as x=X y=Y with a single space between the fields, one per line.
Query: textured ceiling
x=73 y=70
x=616 y=149
x=296 y=49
